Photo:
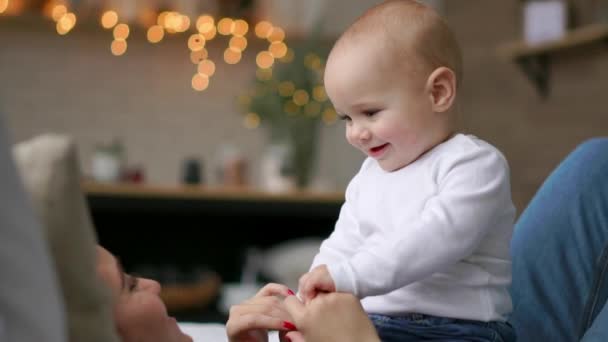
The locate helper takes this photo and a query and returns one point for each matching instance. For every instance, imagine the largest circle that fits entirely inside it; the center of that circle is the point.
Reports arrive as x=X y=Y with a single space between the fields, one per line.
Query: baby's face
x=386 y=105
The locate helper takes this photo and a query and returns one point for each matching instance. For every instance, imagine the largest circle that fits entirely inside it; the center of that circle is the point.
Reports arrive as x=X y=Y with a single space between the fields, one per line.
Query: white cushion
x=49 y=167
x=30 y=305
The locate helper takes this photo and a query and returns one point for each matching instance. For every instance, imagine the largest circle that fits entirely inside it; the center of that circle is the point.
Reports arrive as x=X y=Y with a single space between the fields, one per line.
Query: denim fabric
x=560 y=253
x=419 y=327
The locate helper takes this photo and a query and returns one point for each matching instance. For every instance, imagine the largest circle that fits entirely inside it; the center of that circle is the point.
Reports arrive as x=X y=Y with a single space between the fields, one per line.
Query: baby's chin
x=392 y=166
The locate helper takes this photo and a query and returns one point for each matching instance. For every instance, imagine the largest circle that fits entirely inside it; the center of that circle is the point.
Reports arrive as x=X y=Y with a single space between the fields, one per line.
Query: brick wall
x=74 y=85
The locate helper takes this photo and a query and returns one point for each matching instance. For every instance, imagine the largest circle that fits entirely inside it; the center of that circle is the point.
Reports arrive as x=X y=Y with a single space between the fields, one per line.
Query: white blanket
x=210 y=332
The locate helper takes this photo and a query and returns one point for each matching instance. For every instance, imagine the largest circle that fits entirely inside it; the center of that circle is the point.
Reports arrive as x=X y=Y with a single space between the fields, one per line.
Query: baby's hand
x=315 y=281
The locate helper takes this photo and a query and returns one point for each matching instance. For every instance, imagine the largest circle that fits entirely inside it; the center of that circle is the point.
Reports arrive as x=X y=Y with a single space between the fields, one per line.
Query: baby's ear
x=441 y=87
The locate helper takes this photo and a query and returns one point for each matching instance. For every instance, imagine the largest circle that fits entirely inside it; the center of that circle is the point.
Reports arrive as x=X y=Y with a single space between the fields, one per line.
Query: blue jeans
x=560 y=253
x=419 y=327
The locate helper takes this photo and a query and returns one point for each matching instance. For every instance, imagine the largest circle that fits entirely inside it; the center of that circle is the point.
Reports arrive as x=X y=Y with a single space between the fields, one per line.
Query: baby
x=423 y=236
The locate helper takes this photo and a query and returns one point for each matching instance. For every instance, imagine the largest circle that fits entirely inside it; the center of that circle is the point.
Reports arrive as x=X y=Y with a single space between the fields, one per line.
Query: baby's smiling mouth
x=377 y=149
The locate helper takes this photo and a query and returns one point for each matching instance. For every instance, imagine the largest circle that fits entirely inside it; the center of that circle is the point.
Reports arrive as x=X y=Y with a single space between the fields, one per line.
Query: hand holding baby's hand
x=315 y=281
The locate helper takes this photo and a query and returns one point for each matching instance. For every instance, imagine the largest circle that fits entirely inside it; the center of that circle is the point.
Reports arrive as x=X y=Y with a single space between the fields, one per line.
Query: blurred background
x=206 y=137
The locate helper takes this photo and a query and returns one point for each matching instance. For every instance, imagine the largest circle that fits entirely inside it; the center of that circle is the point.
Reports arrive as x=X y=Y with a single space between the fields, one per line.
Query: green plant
x=289 y=101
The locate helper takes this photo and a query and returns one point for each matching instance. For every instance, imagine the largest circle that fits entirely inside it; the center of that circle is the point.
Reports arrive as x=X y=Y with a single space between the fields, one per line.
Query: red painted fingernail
x=289 y=325
x=289 y=292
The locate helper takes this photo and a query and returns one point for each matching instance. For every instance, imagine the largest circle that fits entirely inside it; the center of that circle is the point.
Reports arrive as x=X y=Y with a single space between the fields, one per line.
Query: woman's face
x=139 y=313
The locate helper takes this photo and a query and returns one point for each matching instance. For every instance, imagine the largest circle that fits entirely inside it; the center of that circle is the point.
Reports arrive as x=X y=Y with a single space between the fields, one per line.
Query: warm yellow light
x=162 y=18
x=60 y=29
x=204 y=23
x=264 y=60
x=264 y=74
x=196 y=42
x=205 y=27
x=251 y=121
x=121 y=32
x=198 y=56
x=155 y=33
x=330 y=116
x=119 y=47
x=286 y=88
x=200 y=82
x=300 y=97
x=206 y=67
x=238 y=42
x=3 y=6
x=209 y=34
x=276 y=35
x=240 y=27
x=173 y=22
x=319 y=94
x=313 y=108
x=289 y=56
x=183 y=23
x=109 y=19
x=225 y=26
x=68 y=20
x=58 y=12
x=66 y=23
x=290 y=107
x=262 y=29
x=278 y=49
x=232 y=56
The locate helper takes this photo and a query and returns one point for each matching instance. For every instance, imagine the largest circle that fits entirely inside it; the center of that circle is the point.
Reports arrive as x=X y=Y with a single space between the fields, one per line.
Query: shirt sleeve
x=473 y=191
x=345 y=240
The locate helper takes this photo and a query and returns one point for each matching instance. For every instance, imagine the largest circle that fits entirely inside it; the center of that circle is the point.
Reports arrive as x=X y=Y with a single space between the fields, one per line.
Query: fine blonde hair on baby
x=414 y=30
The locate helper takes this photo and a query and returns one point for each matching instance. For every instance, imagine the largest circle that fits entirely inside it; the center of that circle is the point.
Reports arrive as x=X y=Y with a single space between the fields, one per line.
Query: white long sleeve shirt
x=432 y=237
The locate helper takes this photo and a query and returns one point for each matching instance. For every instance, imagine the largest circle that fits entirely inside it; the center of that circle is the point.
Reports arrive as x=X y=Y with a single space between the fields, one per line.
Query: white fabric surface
x=432 y=237
x=30 y=305
x=210 y=332
x=50 y=170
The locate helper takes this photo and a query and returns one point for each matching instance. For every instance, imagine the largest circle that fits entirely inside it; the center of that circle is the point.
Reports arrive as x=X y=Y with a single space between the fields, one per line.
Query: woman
x=140 y=314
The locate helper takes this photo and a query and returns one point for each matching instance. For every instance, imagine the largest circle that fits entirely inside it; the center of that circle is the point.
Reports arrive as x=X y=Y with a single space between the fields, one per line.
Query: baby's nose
x=364 y=134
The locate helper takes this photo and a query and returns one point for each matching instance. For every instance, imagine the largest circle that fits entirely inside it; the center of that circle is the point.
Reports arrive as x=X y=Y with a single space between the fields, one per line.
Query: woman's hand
x=336 y=317
x=251 y=320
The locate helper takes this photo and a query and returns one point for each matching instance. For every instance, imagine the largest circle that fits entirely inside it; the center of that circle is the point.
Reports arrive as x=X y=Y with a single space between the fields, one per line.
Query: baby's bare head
x=413 y=37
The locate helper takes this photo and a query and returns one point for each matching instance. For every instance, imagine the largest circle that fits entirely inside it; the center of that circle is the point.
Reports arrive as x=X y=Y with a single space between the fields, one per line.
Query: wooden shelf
x=206 y=193
x=534 y=59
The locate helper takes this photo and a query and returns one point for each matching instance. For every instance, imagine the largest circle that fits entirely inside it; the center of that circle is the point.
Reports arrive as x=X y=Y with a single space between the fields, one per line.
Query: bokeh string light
x=311 y=102
x=3 y=5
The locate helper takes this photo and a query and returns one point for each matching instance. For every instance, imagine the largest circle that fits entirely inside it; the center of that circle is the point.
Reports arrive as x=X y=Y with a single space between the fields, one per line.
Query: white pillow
x=30 y=305
x=50 y=170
